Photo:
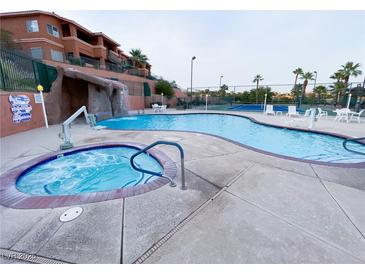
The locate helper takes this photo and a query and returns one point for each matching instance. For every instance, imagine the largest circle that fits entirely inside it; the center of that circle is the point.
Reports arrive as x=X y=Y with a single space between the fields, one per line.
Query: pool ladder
x=144 y=150
x=344 y=144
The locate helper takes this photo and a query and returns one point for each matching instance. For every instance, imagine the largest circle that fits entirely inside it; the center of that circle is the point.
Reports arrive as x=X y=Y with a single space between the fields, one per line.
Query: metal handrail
x=183 y=185
x=344 y=143
x=66 y=135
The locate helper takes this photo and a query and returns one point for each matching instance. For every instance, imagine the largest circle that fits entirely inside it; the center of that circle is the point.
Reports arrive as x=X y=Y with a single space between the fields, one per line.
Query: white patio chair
x=307 y=112
x=356 y=116
x=156 y=108
x=321 y=113
x=163 y=108
x=342 y=114
x=292 y=111
x=269 y=110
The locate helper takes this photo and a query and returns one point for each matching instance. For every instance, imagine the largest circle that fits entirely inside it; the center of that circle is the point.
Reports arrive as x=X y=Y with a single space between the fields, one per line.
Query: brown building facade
x=48 y=36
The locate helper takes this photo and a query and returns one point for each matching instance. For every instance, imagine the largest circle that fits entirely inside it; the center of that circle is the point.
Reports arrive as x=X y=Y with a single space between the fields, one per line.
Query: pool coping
x=13 y=198
x=348 y=165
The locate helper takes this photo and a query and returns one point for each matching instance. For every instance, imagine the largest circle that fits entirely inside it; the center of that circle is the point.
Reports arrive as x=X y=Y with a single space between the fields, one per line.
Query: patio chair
x=292 y=111
x=163 y=108
x=307 y=112
x=342 y=114
x=356 y=116
x=321 y=113
x=156 y=108
x=269 y=110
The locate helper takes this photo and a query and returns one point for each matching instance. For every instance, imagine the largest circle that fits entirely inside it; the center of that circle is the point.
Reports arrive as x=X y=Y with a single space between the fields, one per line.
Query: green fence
x=21 y=72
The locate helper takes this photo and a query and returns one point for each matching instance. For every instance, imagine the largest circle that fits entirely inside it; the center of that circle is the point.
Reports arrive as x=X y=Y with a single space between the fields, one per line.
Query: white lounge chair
x=269 y=110
x=292 y=111
x=321 y=113
x=356 y=116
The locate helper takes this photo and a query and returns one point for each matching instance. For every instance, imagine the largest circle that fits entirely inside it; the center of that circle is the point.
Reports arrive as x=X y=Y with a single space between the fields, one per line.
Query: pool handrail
x=144 y=150
x=344 y=144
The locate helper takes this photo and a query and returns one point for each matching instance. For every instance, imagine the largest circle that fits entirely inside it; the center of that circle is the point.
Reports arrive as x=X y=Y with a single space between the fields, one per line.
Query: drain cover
x=71 y=214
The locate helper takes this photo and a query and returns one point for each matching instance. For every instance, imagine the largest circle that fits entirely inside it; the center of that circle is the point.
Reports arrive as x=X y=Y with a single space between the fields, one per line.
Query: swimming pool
x=288 y=143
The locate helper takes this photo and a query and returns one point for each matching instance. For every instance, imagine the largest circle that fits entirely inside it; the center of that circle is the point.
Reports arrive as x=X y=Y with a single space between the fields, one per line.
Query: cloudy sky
x=235 y=44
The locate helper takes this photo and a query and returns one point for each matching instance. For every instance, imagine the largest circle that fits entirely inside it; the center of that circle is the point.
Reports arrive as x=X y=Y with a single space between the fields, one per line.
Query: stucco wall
x=135 y=102
x=7 y=127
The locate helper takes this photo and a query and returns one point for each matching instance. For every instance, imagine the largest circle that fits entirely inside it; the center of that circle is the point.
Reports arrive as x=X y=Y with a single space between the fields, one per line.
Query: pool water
x=92 y=170
x=292 y=143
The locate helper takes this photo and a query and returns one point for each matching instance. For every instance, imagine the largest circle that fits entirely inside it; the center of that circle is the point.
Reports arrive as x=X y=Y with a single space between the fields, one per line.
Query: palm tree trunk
x=296 y=79
x=305 y=86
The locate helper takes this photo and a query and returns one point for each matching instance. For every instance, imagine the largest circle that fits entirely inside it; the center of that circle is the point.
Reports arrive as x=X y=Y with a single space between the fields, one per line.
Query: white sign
x=37 y=98
x=21 y=108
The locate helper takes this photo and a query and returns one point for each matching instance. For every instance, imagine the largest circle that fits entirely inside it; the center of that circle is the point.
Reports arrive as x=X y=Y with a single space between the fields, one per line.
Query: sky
x=235 y=44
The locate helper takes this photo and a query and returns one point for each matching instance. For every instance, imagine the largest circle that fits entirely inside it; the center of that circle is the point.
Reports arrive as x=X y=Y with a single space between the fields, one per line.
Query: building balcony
x=84 y=61
x=114 y=57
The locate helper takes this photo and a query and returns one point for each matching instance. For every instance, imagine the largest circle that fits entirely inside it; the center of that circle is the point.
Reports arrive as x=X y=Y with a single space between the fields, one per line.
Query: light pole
x=265 y=102
x=191 y=76
x=206 y=102
x=349 y=97
x=314 y=86
x=161 y=99
x=315 y=80
x=220 y=81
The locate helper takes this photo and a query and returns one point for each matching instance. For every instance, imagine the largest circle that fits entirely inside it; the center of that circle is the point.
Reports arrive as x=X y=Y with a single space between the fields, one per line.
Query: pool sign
x=37 y=98
x=21 y=108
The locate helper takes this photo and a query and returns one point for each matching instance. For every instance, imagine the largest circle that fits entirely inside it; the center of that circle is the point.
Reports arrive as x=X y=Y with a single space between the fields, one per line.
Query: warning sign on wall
x=21 y=108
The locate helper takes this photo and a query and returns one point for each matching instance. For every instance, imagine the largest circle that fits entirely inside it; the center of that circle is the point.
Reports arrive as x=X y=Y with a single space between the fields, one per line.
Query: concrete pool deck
x=241 y=206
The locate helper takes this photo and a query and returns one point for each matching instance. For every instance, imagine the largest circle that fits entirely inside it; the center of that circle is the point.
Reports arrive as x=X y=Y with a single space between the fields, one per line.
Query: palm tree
x=297 y=72
x=350 y=69
x=257 y=80
x=138 y=58
x=339 y=86
x=306 y=76
x=320 y=91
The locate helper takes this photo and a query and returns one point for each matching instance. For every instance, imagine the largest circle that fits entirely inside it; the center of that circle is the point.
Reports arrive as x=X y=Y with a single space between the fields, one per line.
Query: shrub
x=163 y=86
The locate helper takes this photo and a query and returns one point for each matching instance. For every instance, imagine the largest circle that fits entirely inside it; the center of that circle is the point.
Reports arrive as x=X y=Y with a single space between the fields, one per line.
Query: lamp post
x=314 y=86
x=220 y=81
x=191 y=76
x=161 y=99
x=40 y=90
x=206 y=102
x=315 y=80
x=265 y=102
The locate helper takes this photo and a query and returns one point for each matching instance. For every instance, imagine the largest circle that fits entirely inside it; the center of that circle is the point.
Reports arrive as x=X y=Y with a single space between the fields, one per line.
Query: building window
x=32 y=25
x=52 y=30
x=36 y=53
x=56 y=55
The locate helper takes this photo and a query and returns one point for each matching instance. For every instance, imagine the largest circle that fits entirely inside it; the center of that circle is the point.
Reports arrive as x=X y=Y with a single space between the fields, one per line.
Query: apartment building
x=48 y=36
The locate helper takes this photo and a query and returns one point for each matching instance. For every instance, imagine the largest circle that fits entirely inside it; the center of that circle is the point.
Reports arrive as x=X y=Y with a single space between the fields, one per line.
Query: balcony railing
x=120 y=68
x=115 y=67
x=84 y=61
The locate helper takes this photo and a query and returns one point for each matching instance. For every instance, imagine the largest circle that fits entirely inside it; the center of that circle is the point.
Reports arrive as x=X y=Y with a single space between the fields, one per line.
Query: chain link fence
x=328 y=96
